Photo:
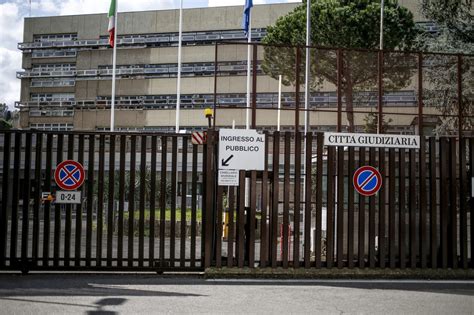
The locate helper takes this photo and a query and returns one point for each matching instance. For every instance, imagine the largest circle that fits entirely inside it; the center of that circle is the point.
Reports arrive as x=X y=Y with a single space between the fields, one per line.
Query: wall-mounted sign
x=69 y=175
x=371 y=140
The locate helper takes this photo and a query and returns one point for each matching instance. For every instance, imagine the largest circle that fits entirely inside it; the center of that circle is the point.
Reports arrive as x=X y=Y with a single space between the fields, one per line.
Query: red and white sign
x=69 y=175
x=199 y=137
x=367 y=180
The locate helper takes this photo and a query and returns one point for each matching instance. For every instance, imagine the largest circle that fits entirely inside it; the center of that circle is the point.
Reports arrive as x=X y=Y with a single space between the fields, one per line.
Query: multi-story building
x=67 y=62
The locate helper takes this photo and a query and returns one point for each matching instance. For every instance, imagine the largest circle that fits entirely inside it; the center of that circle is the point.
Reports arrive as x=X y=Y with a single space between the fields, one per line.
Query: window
x=52 y=127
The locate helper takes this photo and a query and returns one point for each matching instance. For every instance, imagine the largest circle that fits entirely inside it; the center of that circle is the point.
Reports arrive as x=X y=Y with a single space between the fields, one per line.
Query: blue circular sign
x=367 y=180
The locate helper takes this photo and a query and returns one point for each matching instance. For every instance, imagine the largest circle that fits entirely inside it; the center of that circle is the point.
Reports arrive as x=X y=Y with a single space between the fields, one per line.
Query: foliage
x=347 y=24
x=371 y=123
x=5 y=117
x=456 y=35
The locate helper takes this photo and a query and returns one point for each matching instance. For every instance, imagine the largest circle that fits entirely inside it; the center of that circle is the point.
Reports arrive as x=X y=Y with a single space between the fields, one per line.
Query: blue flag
x=246 y=17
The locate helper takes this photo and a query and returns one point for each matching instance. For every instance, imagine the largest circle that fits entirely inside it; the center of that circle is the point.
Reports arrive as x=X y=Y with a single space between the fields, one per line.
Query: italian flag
x=112 y=17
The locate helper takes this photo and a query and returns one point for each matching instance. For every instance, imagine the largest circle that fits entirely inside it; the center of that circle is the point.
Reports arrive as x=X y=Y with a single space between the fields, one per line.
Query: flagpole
x=178 y=84
x=249 y=36
x=114 y=64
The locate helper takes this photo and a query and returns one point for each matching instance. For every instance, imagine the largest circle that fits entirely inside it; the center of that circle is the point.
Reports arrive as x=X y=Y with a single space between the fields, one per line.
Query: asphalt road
x=130 y=293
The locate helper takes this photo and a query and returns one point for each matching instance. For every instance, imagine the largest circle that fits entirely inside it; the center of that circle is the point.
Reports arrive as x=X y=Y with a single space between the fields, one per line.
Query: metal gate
x=302 y=210
x=141 y=203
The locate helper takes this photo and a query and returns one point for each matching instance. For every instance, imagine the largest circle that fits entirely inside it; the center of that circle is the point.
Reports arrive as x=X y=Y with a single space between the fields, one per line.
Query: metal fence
x=303 y=211
x=141 y=204
x=349 y=89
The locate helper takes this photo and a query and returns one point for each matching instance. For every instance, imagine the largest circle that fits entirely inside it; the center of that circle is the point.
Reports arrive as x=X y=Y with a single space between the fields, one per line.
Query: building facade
x=67 y=62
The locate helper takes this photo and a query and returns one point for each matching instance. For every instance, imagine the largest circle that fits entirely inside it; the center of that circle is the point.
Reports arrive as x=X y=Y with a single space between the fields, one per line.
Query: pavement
x=88 y=293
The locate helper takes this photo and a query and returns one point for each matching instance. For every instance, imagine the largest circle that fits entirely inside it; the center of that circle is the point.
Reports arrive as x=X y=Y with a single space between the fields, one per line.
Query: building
x=66 y=81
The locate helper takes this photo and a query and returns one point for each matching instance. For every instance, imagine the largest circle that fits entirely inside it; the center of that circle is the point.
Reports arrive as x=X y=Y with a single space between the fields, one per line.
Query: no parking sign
x=69 y=175
x=367 y=180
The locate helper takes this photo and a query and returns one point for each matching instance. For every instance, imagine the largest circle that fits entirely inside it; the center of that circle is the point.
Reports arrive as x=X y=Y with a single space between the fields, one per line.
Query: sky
x=12 y=13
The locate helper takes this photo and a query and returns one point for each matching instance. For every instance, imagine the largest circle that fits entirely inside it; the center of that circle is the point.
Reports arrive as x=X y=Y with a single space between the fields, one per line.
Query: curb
x=334 y=273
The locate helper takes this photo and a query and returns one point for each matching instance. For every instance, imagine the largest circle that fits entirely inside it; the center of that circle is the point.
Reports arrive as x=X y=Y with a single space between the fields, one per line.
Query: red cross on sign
x=69 y=175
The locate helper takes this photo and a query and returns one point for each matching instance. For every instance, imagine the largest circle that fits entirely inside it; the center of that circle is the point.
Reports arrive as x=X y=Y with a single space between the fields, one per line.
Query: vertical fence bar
x=47 y=205
x=412 y=210
x=194 y=204
x=350 y=211
x=275 y=197
x=241 y=220
x=339 y=89
x=121 y=210
x=453 y=215
x=253 y=203
x=141 y=219
x=131 y=200
x=463 y=193
x=151 y=237
x=443 y=165
x=184 y=178
x=174 y=170
x=372 y=217
x=37 y=196
x=15 y=199
x=391 y=208
x=111 y=201
x=5 y=193
x=264 y=213
x=58 y=210
x=254 y=84
x=286 y=200
x=26 y=201
x=297 y=201
x=330 y=208
x=319 y=198
x=420 y=94
x=90 y=198
x=401 y=209
x=231 y=230
x=380 y=59
x=100 y=200
x=361 y=238
x=433 y=206
x=78 y=232
x=210 y=200
x=340 y=207
x=471 y=176
x=423 y=214
x=297 y=89
x=382 y=211
x=220 y=196
x=68 y=223
x=163 y=184
x=307 y=200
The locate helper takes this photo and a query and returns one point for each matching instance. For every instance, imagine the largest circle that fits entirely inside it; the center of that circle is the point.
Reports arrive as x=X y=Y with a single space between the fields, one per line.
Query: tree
x=455 y=35
x=5 y=117
x=346 y=24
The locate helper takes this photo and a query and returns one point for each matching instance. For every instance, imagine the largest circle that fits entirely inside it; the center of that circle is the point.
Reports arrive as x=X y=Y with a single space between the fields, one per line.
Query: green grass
x=136 y=214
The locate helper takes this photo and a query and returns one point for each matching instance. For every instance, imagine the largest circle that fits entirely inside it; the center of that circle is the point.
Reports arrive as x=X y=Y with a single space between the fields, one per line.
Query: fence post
x=209 y=182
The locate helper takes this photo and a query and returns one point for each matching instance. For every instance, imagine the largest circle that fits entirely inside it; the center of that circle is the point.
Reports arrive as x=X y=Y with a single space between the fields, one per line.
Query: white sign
x=228 y=178
x=472 y=187
x=241 y=149
x=371 y=140
x=69 y=197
